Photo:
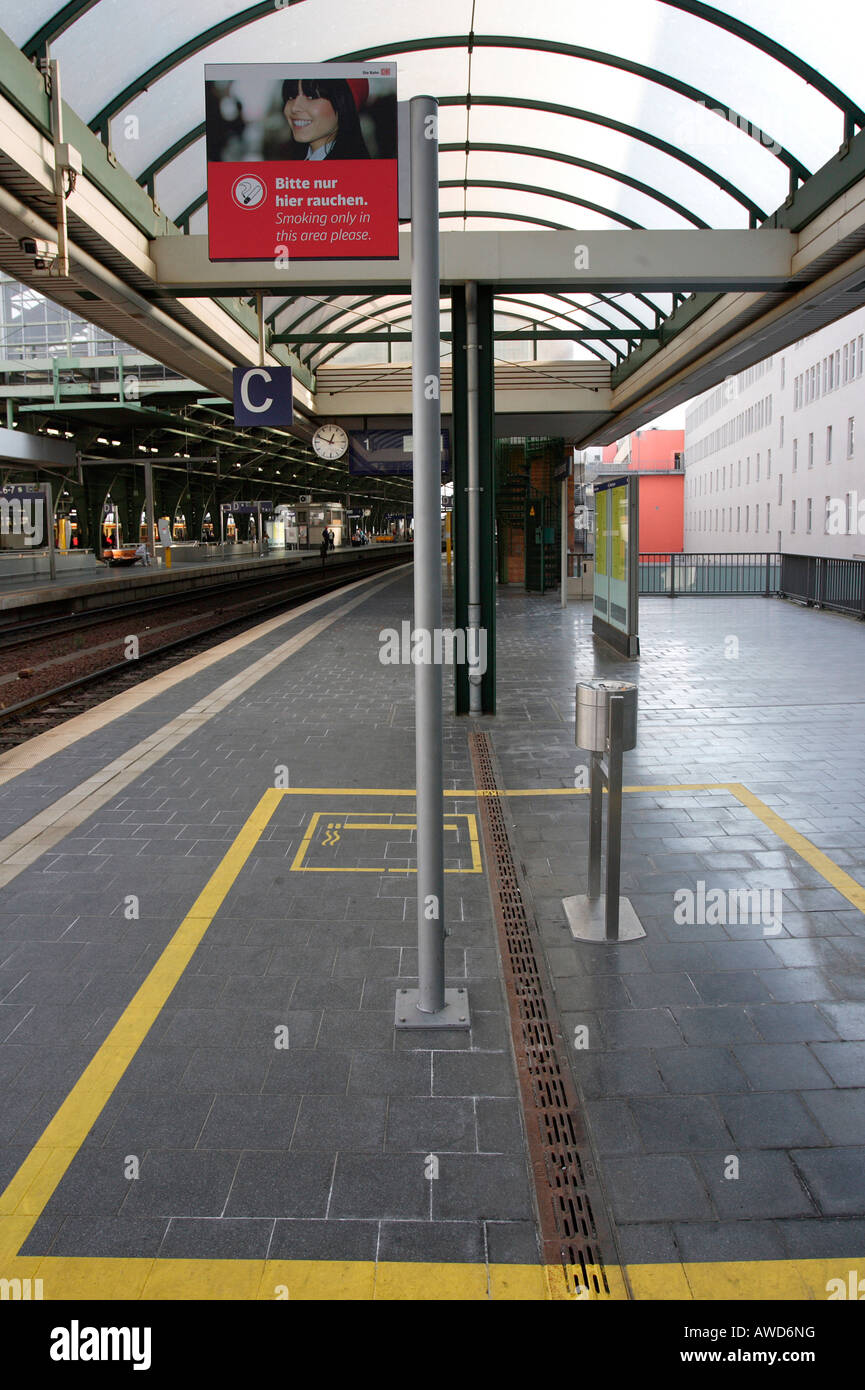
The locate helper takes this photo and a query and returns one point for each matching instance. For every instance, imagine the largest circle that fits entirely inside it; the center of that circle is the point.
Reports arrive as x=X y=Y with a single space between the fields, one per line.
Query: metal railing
x=672 y=575
x=824 y=583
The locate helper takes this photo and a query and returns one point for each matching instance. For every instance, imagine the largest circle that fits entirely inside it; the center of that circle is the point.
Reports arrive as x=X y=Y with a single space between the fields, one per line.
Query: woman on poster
x=322 y=116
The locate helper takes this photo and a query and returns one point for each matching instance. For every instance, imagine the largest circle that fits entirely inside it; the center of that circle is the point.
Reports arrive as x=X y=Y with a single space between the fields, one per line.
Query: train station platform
x=102 y=586
x=207 y=911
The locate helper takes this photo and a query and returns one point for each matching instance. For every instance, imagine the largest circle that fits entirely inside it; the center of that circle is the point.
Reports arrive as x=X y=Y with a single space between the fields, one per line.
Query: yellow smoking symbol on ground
x=332 y=832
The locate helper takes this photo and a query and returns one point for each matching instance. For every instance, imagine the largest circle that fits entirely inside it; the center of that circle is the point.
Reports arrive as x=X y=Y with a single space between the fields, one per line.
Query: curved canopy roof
x=633 y=113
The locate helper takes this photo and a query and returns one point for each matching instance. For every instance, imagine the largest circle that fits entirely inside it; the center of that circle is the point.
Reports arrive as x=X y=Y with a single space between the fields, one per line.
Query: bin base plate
x=586 y=919
x=455 y=1013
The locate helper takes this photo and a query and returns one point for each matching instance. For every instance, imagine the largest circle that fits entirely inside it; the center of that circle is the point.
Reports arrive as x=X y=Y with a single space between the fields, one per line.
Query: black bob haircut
x=349 y=142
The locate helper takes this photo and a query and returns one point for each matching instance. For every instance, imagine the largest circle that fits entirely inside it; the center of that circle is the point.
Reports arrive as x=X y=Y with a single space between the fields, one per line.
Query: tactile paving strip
x=574 y=1226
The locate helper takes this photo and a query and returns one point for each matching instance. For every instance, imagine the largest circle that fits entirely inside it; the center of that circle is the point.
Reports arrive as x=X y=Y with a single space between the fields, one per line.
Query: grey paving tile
x=391 y=1074
x=473 y=1074
x=512 y=1242
x=678 y=1124
x=835 y=1178
x=649 y=1243
x=635 y=1028
x=782 y=1066
x=840 y=1114
x=848 y=1020
x=305 y=1071
x=722 y=1023
x=766 y=1121
x=297 y=1239
x=731 y=987
x=116 y=1237
x=178 y=1182
x=729 y=1241
x=279 y=1184
x=441 y=1242
x=767 y=1185
x=844 y=1061
x=499 y=1126
x=651 y=1189
x=425 y=1125
x=617 y=1074
x=482 y=1187
x=249 y=1122
x=216 y=1238
x=327 y=1124
x=380 y=1187
x=800 y=1022
x=823 y=1239
x=700 y=1070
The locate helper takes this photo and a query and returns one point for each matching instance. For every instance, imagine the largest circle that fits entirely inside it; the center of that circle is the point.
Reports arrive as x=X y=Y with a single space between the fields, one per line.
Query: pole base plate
x=586 y=919
x=455 y=1014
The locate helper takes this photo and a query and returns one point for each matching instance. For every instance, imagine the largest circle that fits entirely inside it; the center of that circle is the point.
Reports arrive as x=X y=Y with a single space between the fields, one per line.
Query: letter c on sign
x=244 y=390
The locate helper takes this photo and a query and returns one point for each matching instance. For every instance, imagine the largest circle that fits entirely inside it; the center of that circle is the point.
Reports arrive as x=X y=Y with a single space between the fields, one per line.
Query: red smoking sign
x=302 y=161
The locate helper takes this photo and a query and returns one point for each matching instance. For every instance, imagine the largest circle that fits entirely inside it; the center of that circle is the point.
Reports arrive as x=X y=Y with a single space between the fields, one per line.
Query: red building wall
x=662 y=512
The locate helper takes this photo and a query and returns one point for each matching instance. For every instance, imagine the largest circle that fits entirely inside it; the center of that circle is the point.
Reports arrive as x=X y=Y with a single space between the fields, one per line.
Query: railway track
x=33 y=715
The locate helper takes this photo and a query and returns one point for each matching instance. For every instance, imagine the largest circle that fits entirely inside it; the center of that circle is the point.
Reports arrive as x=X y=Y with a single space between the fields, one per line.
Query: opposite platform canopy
x=631 y=113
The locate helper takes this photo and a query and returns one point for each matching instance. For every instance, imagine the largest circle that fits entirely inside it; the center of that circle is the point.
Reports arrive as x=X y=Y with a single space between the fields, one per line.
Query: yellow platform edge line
x=826 y=867
x=51 y=1278
x=33 y=1184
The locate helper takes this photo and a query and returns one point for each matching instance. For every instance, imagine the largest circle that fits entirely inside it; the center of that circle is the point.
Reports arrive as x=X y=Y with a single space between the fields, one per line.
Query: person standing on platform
x=323 y=549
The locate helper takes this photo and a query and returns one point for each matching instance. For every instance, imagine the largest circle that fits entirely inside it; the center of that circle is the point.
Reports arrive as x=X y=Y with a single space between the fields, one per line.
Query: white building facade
x=775 y=456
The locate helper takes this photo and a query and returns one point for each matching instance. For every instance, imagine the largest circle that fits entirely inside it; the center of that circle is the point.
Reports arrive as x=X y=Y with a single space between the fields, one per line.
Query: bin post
x=606 y=724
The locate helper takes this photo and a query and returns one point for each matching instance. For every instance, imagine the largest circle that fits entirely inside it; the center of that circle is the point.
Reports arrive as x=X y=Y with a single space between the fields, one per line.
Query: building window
x=781 y=433
x=828 y=443
x=768 y=515
x=747 y=515
x=780 y=487
x=768 y=463
x=757 y=473
x=827 y=509
x=849 y=517
x=757 y=517
x=783 y=370
x=809 y=512
x=859 y=354
x=740 y=473
x=738 y=518
x=793 y=515
x=795 y=454
x=850 y=436
x=747 y=471
x=810 y=451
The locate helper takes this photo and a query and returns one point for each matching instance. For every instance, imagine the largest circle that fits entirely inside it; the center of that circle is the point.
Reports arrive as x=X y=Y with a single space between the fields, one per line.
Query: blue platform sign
x=374 y=452
x=262 y=396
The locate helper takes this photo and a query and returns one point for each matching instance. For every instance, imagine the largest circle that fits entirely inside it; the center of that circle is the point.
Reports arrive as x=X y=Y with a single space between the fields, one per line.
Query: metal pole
x=596 y=811
x=49 y=526
x=614 y=816
x=148 y=507
x=430 y=1005
x=61 y=265
x=474 y=510
x=258 y=530
x=260 y=307
x=566 y=535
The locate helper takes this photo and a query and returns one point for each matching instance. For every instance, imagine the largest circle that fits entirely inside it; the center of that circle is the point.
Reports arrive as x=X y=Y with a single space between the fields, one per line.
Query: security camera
x=44 y=253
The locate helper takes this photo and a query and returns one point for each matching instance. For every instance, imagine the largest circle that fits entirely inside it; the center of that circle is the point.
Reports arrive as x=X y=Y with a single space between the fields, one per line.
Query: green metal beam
x=533 y=153
x=757 y=39
x=64 y=18
x=504 y=335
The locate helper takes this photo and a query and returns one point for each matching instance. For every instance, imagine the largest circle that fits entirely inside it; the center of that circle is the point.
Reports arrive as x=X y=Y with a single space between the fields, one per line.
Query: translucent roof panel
x=652 y=113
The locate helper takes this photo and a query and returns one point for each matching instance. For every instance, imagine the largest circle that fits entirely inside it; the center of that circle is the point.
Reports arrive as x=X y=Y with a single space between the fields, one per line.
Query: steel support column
x=431 y=1005
x=486 y=493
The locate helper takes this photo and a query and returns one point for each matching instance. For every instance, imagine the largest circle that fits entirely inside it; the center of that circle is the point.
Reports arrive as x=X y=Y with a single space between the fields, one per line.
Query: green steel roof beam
x=55 y=26
x=589 y=55
x=853 y=114
x=755 y=212
x=531 y=151
x=231 y=24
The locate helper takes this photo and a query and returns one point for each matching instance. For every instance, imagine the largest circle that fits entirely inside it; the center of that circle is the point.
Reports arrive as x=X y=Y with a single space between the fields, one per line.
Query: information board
x=615 y=616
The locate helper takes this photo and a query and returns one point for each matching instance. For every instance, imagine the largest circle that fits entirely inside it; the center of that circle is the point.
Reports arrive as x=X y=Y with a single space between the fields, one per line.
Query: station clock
x=330 y=442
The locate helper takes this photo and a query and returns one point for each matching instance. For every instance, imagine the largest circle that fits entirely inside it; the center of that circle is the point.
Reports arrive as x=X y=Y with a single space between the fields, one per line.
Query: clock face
x=330 y=441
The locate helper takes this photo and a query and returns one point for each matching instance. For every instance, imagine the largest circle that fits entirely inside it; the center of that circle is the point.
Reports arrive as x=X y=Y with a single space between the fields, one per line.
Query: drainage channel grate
x=574 y=1226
